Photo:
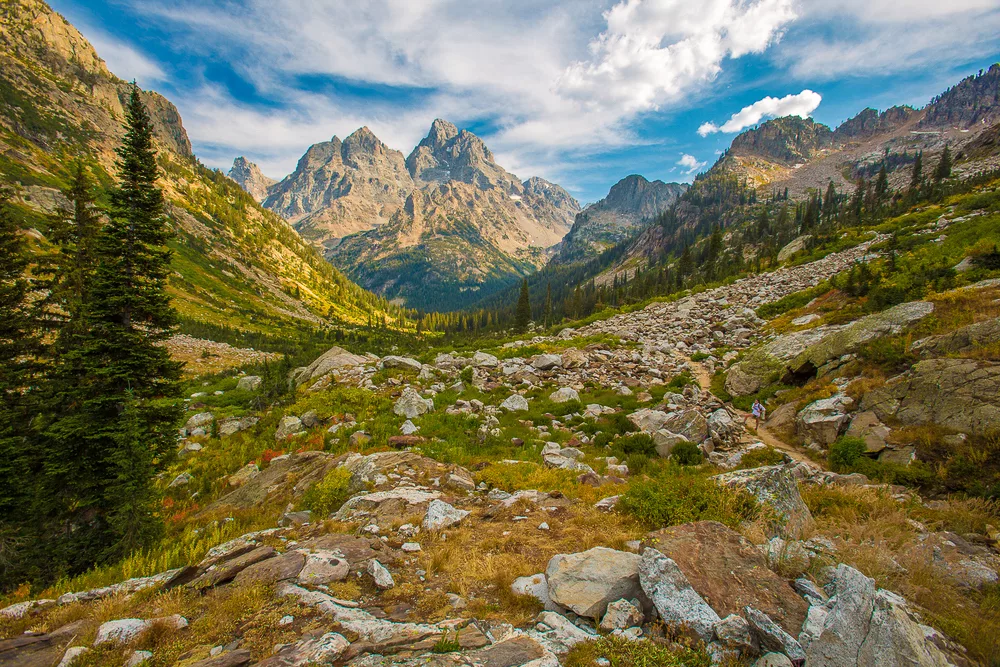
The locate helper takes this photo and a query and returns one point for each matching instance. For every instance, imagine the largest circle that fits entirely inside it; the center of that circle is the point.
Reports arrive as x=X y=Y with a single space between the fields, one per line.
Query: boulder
x=564 y=395
x=336 y=358
x=773 y=660
x=723 y=427
x=729 y=572
x=665 y=441
x=393 y=504
x=484 y=360
x=689 y=423
x=771 y=637
x=733 y=632
x=323 y=567
x=824 y=420
x=515 y=403
x=962 y=341
x=776 y=487
x=232 y=425
x=588 y=582
x=250 y=383
x=675 y=600
x=647 y=420
x=959 y=394
x=546 y=362
x=866 y=425
x=411 y=404
x=796 y=245
x=288 y=426
x=406 y=363
x=441 y=515
x=622 y=615
x=535 y=586
x=200 y=420
x=325 y=649
x=380 y=575
x=847 y=623
x=243 y=475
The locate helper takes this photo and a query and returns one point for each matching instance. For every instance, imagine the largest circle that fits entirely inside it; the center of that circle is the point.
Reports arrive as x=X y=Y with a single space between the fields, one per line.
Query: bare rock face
x=729 y=572
x=249 y=177
x=588 y=582
x=631 y=204
x=959 y=394
x=342 y=187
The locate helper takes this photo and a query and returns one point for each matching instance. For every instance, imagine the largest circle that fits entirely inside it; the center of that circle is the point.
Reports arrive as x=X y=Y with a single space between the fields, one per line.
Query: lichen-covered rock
x=776 y=487
x=564 y=395
x=621 y=615
x=441 y=515
x=824 y=420
x=411 y=404
x=671 y=593
x=958 y=394
x=515 y=403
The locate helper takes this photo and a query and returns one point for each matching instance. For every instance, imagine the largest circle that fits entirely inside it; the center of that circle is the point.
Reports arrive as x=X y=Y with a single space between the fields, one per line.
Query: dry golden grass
x=480 y=559
x=873 y=533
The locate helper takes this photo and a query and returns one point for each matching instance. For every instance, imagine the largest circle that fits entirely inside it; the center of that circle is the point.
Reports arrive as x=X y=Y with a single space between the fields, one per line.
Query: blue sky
x=581 y=92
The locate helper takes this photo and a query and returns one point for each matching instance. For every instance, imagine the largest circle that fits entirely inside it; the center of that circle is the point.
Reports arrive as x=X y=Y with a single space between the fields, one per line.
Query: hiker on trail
x=758 y=412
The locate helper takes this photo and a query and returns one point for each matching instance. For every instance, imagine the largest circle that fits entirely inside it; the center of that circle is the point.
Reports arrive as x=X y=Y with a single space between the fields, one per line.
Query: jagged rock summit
x=631 y=203
x=430 y=229
x=249 y=177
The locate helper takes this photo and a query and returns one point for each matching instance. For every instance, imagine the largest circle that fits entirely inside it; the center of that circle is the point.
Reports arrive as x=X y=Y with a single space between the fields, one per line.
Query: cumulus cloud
x=654 y=51
x=802 y=105
x=125 y=60
x=876 y=37
x=690 y=164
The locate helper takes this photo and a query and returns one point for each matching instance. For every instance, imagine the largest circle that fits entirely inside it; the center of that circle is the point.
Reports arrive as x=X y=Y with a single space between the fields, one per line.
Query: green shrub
x=699 y=356
x=446 y=645
x=792 y=301
x=760 y=457
x=327 y=495
x=635 y=443
x=637 y=463
x=466 y=375
x=621 y=652
x=616 y=423
x=676 y=495
x=844 y=453
x=686 y=454
x=889 y=353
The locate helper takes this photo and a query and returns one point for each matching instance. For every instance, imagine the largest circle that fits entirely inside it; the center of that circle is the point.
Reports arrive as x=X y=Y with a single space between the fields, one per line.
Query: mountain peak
x=440 y=132
x=249 y=177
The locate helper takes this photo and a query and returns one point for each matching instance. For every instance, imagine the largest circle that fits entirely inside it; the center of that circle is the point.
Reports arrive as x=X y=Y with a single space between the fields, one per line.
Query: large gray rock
x=958 y=394
x=250 y=383
x=406 y=363
x=564 y=395
x=867 y=627
x=866 y=425
x=665 y=441
x=441 y=515
x=621 y=615
x=288 y=426
x=546 y=362
x=771 y=637
x=588 y=582
x=515 y=403
x=672 y=595
x=794 y=246
x=200 y=420
x=336 y=358
x=484 y=360
x=801 y=353
x=824 y=420
x=689 y=423
x=961 y=341
x=411 y=404
x=776 y=487
x=647 y=420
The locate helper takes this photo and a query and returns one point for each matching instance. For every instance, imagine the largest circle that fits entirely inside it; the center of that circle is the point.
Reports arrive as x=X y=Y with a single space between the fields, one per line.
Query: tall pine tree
x=522 y=315
x=117 y=431
x=20 y=344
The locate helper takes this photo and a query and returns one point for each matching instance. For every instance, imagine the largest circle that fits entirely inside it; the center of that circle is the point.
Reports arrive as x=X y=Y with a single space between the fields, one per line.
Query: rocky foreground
x=418 y=561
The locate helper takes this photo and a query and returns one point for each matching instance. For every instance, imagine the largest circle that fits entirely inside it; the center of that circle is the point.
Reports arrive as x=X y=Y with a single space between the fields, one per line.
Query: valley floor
x=583 y=499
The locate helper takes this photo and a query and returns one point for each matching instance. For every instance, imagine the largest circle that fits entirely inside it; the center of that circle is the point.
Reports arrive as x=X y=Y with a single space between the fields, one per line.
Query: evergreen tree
x=917 y=175
x=548 y=304
x=943 y=169
x=522 y=315
x=19 y=347
x=115 y=432
x=881 y=185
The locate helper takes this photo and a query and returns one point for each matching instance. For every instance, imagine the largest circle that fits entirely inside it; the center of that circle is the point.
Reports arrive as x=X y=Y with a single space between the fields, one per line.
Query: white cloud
x=690 y=163
x=654 y=51
x=802 y=105
x=124 y=60
x=882 y=37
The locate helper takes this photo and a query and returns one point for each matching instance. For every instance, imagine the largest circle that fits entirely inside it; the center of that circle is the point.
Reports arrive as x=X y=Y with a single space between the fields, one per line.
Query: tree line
x=89 y=400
